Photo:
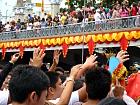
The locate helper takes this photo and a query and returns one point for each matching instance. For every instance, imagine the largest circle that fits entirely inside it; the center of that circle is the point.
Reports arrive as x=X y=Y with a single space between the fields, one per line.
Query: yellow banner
x=38 y=4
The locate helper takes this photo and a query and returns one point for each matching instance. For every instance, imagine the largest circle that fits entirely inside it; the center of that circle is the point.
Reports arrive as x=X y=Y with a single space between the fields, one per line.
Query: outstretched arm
x=56 y=56
x=38 y=56
x=90 y=62
x=66 y=94
x=7 y=68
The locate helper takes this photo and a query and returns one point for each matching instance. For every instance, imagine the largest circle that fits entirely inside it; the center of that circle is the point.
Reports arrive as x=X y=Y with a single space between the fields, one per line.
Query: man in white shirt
x=97 y=17
x=4 y=95
x=7 y=27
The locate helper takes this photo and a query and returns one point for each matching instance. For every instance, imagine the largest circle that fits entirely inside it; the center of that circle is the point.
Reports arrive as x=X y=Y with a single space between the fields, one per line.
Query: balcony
x=110 y=25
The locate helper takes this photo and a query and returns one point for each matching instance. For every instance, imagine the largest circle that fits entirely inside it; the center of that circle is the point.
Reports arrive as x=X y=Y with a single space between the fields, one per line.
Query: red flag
x=124 y=43
x=91 y=46
x=65 y=49
x=133 y=87
x=3 y=52
x=42 y=47
x=21 y=50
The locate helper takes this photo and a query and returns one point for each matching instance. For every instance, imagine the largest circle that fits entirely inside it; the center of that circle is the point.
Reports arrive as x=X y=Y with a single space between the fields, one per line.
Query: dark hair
x=78 y=84
x=63 y=78
x=60 y=69
x=43 y=20
x=26 y=79
x=98 y=82
x=53 y=76
x=112 y=101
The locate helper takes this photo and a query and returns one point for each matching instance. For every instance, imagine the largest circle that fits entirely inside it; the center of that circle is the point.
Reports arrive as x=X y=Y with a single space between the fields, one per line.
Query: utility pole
x=0 y=15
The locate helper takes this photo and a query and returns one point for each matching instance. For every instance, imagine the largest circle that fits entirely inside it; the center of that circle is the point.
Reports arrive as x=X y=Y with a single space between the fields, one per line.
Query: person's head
x=116 y=7
x=5 y=84
x=123 y=6
x=56 y=87
x=59 y=70
x=98 y=83
x=110 y=52
x=29 y=15
x=139 y=4
x=78 y=84
x=98 y=11
x=28 y=85
x=118 y=92
x=134 y=4
x=112 y=101
x=18 y=21
x=43 y=20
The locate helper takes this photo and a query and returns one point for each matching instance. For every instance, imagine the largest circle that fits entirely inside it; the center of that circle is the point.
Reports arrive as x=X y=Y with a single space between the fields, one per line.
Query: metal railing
x=109 y=24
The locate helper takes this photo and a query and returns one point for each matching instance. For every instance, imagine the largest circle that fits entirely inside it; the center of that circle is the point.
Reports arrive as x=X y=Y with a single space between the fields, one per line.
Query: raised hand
x=122 y=56
x=56 y=56
x=75 y=70
x=90 y=62
x=38 y=56
x=15 y=57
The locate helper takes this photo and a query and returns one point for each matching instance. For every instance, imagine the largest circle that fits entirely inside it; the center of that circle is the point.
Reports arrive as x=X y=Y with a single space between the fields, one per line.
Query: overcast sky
x=8 y=9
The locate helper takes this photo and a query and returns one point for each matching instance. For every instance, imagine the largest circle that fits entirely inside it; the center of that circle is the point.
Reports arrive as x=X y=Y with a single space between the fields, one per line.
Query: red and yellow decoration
x=122 y=37
x=65 y=49
x=124 y=43
x=133 y=86
x=121 y=72
x=91 y=46
x=21 y=50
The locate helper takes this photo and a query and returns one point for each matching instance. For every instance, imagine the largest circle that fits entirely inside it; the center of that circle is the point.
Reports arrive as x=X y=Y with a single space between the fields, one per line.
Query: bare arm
x=66 y=94
x=90 y=62
x=38 y=56
x=56 y=56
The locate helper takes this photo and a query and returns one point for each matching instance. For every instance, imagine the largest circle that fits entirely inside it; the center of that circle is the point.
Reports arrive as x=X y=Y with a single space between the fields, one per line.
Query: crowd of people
x=83 y=14
x=86 y=84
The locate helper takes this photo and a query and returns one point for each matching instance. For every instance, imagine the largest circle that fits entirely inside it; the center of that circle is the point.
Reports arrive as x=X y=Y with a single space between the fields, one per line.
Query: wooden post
x=42 y=6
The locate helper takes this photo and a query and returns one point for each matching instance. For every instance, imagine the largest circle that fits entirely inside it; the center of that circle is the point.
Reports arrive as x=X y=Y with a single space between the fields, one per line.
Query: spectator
x=56 y=21
x=124 y=12
x=98 y=83
x=1 y=27
x=112 y=101
x=29 y=25
x=56 y=87
x=59 y=70
x=7 y=27
x=18 y=25
x=28 y=86
x=134 y=9
x=139 y=8
x=97 y=17
x=63 y=18
x=116 y=13
x=49 y=21
x=43 y=23
x=36 y=24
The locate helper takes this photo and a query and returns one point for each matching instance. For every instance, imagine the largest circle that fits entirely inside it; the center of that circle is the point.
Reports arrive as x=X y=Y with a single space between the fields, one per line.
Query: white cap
x=4 y=95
